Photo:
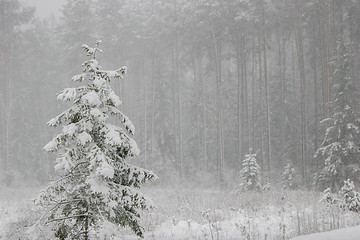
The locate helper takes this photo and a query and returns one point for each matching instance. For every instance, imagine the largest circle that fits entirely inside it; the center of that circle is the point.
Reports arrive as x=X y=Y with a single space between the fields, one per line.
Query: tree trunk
x=323 y=66
x=7 y=106
x=239 y=102
x=316 y=140
x=152 y=144
x=253 y=66
x=177 y=79
x=197 y=151
x=145 y=109
x=301 y=65
x=328 y=57
x=174 y=91
x=260 y=104
x=245 y=90
x=282 y=110
x=86 y=224
x=267 y=120
x=217 y=52
x=2 y=132
x=203 y=109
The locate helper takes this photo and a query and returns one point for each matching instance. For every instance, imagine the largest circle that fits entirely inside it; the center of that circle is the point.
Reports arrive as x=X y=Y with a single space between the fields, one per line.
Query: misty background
x=207 y=81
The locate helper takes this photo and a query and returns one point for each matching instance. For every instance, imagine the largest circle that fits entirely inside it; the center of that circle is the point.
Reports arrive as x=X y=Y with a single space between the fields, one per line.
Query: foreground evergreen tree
x=341 y=145
x=97 y=189
x=250 y=173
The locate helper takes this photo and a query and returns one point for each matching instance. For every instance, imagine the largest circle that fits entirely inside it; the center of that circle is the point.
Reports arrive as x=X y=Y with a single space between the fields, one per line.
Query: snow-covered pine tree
x=350 y=196
x=341 y=145
x=289 y=176
x=97 y=191
x=250 y=173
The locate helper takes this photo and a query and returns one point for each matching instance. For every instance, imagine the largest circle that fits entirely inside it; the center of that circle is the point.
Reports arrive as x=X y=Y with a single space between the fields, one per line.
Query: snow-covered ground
x=211 y=214
x=206 y=214
x=351 y=233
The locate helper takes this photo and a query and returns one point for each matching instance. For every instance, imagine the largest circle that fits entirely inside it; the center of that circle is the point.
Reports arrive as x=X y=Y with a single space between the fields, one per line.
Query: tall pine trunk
x=174 y=92
x=267 y=120
x=197 y=150
x=145 y=107
x=260 y=104
x=301 y=65
x=239 y=102
x=245 y=91
x=316 y=138
x=153 y=88
x=201 y=80
x=217 y=60
x=253 y=81
x=179 y=101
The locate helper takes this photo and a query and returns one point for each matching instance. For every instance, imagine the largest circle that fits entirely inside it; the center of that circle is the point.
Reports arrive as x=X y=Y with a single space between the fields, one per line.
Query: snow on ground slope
x=351 y=233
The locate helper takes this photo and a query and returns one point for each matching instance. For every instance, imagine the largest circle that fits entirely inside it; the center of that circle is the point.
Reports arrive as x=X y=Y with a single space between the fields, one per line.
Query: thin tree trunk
x=152 y=106
x=323 y=63
x=2 y=111
x=197 y=151
x=354 y=50
x=260 y=105
x=145 y=109
x=2 y=132
x=174 y=90
x=302 y=97
x=177 y=69
x=328 y=24
x=239 y=101
x=203 y=109
x=253 y=63
x=217 y=51
x=7 y=113
x=281 y=160
x=267 y=120
x=245 y=90
x=316 y=140
x=86 y=224
x=7 y=138
x=283 y=100
x=220 y=116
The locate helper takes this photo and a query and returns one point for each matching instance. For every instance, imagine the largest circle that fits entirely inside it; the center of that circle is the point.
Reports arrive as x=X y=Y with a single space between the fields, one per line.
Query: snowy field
x=204 y=214
x=351 y=233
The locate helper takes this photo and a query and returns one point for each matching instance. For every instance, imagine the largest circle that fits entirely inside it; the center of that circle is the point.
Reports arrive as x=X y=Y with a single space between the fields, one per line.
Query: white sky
x=45 y=8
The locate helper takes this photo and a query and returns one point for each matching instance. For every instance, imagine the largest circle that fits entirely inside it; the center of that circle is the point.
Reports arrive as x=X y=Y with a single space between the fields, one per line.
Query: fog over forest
x=231 y=96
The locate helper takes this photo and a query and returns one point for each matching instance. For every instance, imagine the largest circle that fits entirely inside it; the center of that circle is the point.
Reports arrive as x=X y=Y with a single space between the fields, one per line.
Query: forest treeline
x=208 y=81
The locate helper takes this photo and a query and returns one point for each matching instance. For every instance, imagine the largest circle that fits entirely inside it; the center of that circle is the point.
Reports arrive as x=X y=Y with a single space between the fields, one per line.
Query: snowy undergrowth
x=16 y=211
x=214 y=214
x=206 y=214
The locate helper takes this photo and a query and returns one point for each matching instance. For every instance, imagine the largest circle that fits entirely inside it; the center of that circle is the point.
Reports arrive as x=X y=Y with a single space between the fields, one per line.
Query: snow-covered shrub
x=288 y=176
x=96 y=189
x=250 y=173
x=348 y=198
x=329 y=198
x=351 y=198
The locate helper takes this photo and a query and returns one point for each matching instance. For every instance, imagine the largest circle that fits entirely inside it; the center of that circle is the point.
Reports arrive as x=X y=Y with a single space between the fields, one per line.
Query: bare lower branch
x=64 y=218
